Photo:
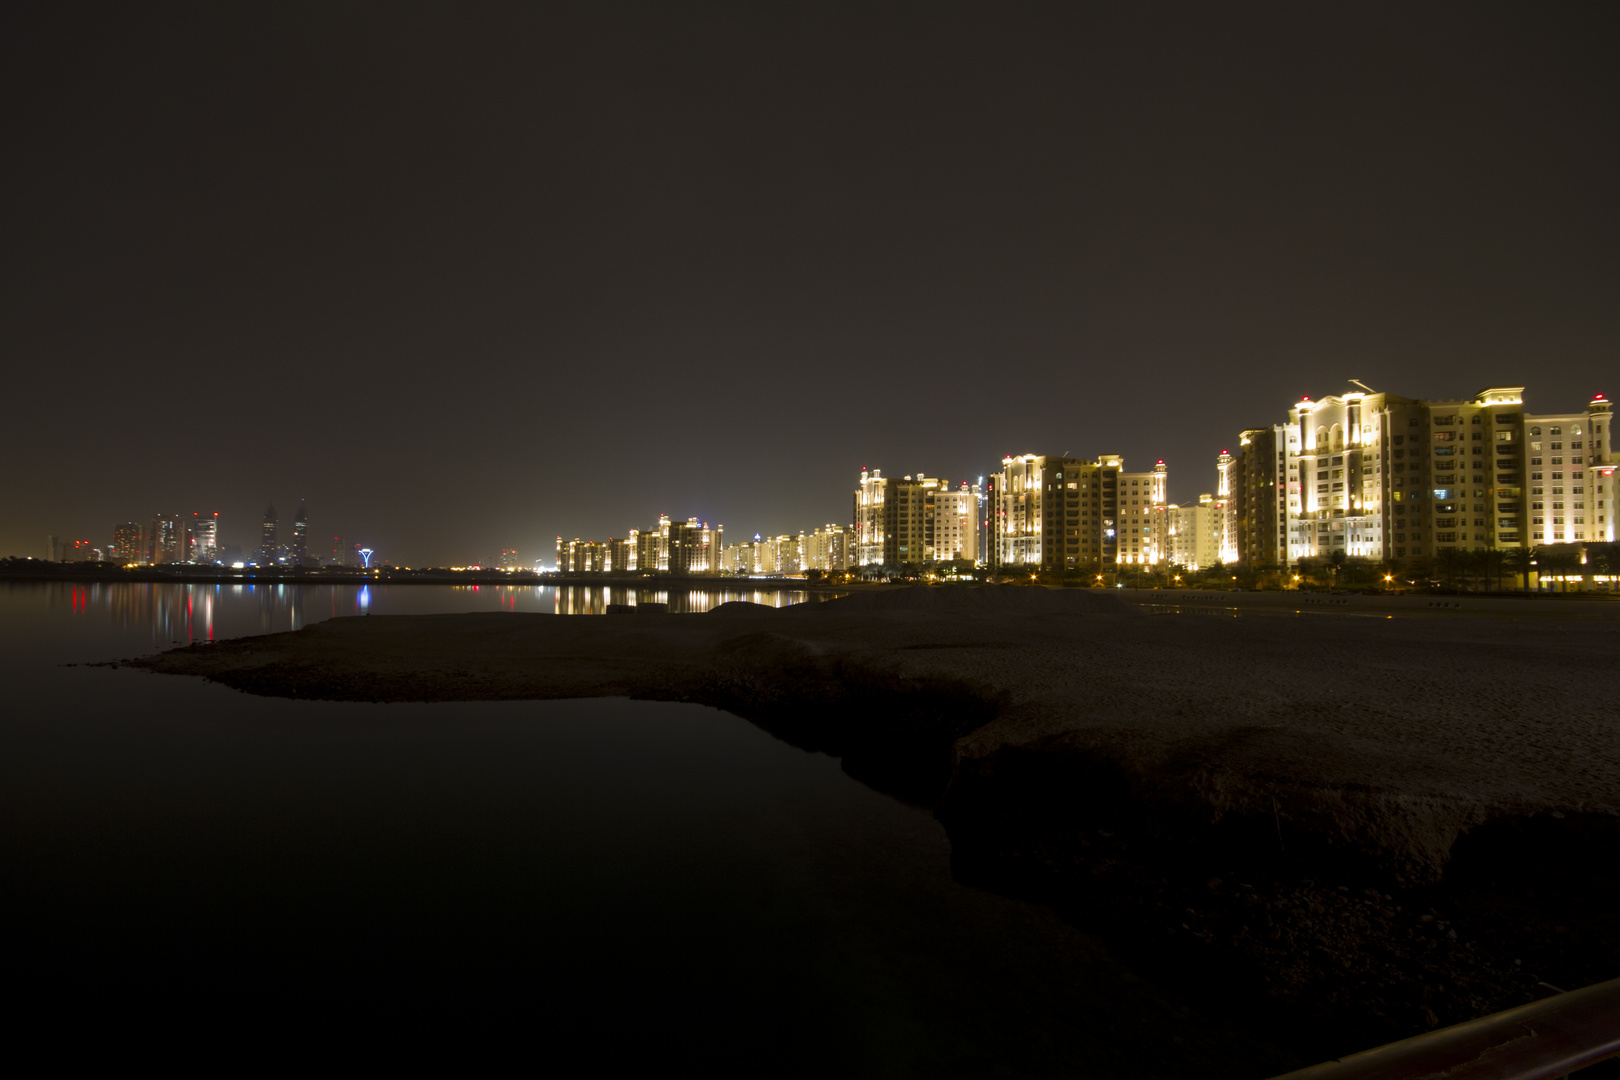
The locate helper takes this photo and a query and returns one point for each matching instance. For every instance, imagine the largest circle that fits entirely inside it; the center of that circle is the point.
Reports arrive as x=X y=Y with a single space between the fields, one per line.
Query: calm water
x=193 y=872
x=181 y=614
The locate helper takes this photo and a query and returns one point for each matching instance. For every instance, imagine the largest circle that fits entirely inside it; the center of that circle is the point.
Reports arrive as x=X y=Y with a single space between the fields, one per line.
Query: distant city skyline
x=1349 y=473
x=467 y=279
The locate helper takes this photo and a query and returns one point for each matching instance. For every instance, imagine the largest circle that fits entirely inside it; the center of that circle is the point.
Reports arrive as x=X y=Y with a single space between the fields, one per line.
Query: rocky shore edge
x=1319 y=945
x=1270 y=922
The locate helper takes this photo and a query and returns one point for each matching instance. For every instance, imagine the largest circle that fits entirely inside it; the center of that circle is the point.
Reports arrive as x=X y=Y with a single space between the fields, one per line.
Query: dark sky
x=466 y=279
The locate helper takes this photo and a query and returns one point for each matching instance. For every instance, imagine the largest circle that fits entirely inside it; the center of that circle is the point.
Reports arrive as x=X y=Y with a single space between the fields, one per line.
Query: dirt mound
x=741 y=607
x=982 y=599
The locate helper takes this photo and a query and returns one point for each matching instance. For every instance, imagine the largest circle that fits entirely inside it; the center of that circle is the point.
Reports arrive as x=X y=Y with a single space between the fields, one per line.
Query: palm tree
x=1420 y=569
x=1449 y=562
x=1336 y=564
x=1562 y=560
x=1522 y=559
x=1606 y=558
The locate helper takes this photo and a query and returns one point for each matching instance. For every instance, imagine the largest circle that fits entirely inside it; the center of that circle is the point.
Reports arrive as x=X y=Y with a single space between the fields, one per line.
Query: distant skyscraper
x=166 y=540
x=128 y=543
x=204 y=539
x=267 y=538
x=300 y=537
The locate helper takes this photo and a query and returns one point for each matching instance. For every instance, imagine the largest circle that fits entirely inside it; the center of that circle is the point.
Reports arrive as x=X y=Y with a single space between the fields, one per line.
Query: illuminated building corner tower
x=1223 y=525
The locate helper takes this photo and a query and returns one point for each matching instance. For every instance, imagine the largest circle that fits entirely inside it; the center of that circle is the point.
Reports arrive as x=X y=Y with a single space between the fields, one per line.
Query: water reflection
x=594 y=599
x=181 y=614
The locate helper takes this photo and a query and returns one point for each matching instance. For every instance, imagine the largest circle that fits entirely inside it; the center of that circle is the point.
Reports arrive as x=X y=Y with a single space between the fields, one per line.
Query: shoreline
x=1264 y=810
x=65 y=573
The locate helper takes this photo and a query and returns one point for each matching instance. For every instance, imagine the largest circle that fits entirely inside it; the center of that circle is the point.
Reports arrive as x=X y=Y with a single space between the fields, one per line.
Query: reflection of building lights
x=364 y=599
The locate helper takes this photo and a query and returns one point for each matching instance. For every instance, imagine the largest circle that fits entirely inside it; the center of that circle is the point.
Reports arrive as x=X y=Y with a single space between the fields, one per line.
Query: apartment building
x=128 y=544
x=1571 y=476
x=580 y=556
x=1194 y=539
x=779 y=554
x=889 y=519
x=1058 y=513
x=829 y=548
x=952 y=521
x=1258 y=486
x=1144 y=516
x=1379 y=476
x=690 y=547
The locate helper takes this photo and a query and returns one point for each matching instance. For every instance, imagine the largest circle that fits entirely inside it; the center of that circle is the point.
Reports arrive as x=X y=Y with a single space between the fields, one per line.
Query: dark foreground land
x=1340 y=829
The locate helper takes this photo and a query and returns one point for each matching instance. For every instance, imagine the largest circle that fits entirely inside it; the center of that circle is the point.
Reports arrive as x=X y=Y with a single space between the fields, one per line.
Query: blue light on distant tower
x=365 y=557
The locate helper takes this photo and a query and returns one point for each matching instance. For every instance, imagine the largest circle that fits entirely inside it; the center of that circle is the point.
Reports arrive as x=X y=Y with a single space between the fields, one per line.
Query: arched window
x=1534 y=432
x=1555 y=431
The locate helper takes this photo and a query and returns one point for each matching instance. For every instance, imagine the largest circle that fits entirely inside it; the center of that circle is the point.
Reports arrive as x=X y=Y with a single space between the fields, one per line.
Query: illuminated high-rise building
x=829 y=548
x=166 y=540
x=1259 y=487
x=202 y=538
x=269 y=551
x=1377 y=476
x=298 y=554
x=1144 y=518
x=1572 y=476
x=951 y=521
x=1194 y=540
x=691 y=547
x=128 y=544
x=1223 y=510
x=580 y=556
x=1061 y=513
x=890 y=519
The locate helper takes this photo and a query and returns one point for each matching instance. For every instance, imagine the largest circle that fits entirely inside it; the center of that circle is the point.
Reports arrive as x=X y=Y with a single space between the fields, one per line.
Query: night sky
x=465 y=279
